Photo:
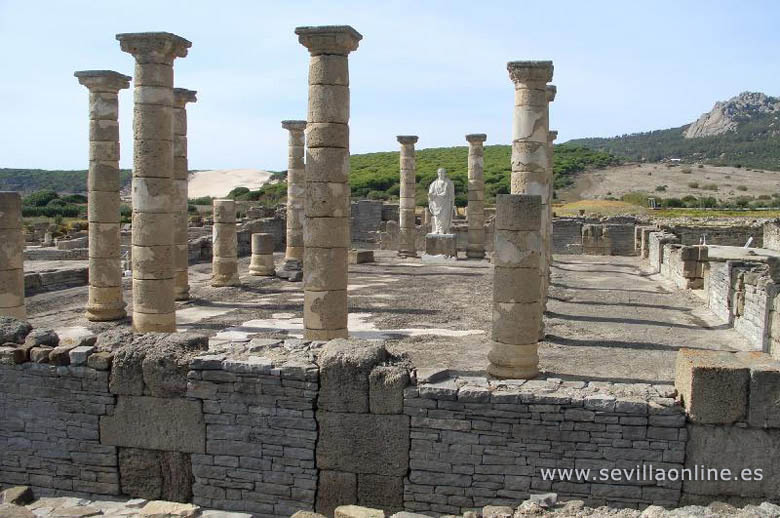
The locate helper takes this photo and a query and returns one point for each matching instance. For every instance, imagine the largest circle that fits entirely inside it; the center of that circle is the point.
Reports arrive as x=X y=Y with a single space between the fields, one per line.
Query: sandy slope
x=219 y=182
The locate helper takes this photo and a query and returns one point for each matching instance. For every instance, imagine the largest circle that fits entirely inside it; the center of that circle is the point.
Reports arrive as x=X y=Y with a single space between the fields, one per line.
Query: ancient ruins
x=432 y=362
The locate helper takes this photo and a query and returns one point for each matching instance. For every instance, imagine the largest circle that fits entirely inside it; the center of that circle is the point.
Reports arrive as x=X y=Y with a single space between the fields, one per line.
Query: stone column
x=105 y=300
x=11 y=256
x=154 y=307
x=224 y=259
x=296 y=180
x=326 y=236
x=552 y=135
x=407 y=203
x=262 y=262
x=517 y=305
x=181 y=97
x=476 y=196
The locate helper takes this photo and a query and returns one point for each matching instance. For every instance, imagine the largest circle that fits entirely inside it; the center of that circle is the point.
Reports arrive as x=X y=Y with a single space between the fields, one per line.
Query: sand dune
x=219 y=182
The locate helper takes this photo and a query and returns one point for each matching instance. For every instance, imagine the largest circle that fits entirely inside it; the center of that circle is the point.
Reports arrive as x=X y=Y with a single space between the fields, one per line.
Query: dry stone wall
x=725 y=235
x=772 y=235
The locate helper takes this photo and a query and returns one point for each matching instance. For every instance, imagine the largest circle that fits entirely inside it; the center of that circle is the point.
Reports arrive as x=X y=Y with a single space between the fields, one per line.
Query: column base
x=224 y=281
x=18 y=312
x=262 y=265
x=98 y=313
x=182 y=293
x=154 y=322
x=526 y=373
x=324 y=334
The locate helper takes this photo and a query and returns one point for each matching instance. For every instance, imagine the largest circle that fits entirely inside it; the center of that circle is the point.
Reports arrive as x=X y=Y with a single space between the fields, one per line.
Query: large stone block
x=380 y=491
x=736 y=449
x=386 y=389
x=345 y=366
x=155 y=424
x=356 y=511
x=764 y=394
x=335 y=488
x=713 y=385
x=155 y=475
x=363 y=443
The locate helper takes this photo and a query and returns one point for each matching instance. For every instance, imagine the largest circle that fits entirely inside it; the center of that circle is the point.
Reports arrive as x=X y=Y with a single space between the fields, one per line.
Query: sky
x=436 y=69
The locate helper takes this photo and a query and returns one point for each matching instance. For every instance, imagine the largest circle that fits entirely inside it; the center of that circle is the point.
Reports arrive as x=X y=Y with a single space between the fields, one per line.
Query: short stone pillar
x=224 y=259
x=105 y=300
x=440 y=248
x=407 y=202
x=296 y=182
x=517 y=305
x=11 y=256
x=476 y=196
x=154 y=306
x=181 y=96
x=262 y=262
x=326 y=235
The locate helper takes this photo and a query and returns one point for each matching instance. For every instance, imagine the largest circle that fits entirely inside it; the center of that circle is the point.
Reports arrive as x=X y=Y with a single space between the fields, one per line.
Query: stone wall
x=655 y=248
x=684 y=265
x=55 y=279
x=731 y=235
x=772 y=235
x=754 y=292
x=53 y=254
x=567 y=236
x=717 y=286
x=365 y=220
x=476 y=442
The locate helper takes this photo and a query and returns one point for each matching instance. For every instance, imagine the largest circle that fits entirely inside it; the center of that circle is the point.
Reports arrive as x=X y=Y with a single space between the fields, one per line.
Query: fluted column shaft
x=181 y=97
x=517 y=305
x=11 y=256
x=476 y=196
x=105 y=300
x=326 y=236
x=154 y=209
x=296 y=181
x=407 y=203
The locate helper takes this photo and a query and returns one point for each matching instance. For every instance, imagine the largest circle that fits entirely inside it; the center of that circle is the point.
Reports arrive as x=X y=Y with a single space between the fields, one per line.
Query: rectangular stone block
x=327 y=164
x=326 y=232
x=516 y=284
x=381 y=491
x=327 y=134
x=335 y=488
x=155 y=424
x=386 y=389
x=363 y=443
x=518 y=212
x=517 y=249
x=713 y=385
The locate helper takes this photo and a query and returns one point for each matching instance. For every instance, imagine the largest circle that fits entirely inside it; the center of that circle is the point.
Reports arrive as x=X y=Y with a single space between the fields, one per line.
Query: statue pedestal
x=440 y=248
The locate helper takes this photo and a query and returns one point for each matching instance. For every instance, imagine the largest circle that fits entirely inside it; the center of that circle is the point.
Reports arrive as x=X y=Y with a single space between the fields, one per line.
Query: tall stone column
x=476 y=196
x=326 y=237
x=181 y=96
x=154 y=208
x=517 y=305
x=224 y=259
x=105 y=300
x=552 y=135
x=406 y=217
x=11 y=256
x=296 y=182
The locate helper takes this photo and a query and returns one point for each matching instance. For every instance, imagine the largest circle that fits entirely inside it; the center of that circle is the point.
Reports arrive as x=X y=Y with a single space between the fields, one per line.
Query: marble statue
x=441 y=202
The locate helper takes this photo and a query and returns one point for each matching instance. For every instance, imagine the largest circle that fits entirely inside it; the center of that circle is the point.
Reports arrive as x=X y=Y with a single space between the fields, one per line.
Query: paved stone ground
x=608 y=318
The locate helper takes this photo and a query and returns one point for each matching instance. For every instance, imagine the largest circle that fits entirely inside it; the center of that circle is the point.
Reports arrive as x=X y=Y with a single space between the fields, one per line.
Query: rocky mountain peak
x=725 y=116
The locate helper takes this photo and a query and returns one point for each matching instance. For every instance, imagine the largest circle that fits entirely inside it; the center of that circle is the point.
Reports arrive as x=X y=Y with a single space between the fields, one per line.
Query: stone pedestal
x=326 y=236
x=11 y=256
x=154 y=306
x=440 y=248
x=262 y=262
x=296 y=181
x=224 y=258
x=407 y=201
x=105 y=300
x=181 y=97
x=517 y=305
x=476 y=196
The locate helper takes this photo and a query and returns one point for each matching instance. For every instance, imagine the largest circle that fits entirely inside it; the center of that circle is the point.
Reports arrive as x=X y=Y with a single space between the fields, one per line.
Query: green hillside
x=376 y=175
x=756 y=144
x=29 y=180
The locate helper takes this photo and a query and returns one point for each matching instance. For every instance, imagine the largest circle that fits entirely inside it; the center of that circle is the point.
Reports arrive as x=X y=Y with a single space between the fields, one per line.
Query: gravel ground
x=607 y=318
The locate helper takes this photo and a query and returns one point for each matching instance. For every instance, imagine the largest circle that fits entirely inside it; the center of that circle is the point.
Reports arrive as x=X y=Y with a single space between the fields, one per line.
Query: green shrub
x=40 y=198
x=710 y=187
x=203 y=200
x=742 y=187
x=660 y=188
x=636 y=198
x=693 y=185
x=75 y=199
x=686 y=170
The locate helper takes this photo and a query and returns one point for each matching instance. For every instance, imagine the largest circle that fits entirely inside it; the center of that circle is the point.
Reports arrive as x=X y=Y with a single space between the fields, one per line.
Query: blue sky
x=436 y=69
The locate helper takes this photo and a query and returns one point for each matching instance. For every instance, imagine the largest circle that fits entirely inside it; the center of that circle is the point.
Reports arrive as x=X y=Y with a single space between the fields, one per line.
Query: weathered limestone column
x=181 y=96
x=105 y=300
x=326 y=236
x=296 y=181
x=552 y=135
x=11 y=256
x=476 y=196
x=224 y=259
x=154 y=307
x=262 y=261
x=407 y=202
x=517 y=305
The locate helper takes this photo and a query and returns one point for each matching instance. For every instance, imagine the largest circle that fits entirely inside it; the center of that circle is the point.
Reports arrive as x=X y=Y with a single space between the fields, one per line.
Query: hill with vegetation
x=30 y=180
x=741 y=132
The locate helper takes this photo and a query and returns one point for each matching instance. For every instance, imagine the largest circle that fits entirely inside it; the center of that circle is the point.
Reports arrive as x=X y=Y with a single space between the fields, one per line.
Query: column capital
x=530 y=71
x=153 y=47
x=476 y=137
x=293 y=125
x=182 y=96
x=407 y=139
x=329 y=39
x=103 y=80
x=552 y=135
x=551 y=90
